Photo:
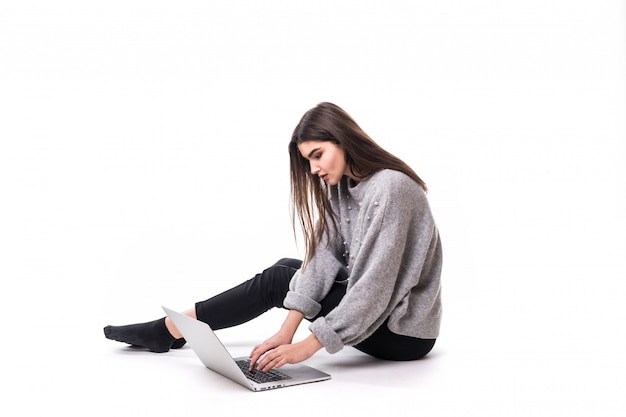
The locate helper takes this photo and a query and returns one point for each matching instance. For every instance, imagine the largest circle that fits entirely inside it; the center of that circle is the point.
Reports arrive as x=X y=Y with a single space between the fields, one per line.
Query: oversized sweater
x=387 y=247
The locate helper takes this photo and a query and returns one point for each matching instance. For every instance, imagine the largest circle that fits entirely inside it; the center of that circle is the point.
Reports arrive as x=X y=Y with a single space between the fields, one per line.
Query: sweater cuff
x=305 y=305
x=326 y=335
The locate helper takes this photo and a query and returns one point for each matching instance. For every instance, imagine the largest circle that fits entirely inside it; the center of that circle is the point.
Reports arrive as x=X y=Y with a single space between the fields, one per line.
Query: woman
x=371 y=273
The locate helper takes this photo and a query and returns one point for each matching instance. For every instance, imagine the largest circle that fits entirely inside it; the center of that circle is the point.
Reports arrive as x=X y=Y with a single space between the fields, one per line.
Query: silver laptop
x=214 y=356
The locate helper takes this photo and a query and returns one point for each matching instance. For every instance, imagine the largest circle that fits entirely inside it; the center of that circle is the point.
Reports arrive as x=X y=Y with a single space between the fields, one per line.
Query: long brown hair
x=327 y=122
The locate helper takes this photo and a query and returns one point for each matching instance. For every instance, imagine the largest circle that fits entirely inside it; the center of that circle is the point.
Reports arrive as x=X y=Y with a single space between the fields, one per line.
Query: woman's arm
x=310 y=285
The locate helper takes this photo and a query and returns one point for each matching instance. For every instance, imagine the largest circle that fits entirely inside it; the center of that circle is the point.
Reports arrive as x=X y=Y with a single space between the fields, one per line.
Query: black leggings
x=268 y=290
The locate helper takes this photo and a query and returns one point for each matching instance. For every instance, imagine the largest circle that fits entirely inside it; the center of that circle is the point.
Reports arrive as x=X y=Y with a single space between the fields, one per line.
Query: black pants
x=268 y=290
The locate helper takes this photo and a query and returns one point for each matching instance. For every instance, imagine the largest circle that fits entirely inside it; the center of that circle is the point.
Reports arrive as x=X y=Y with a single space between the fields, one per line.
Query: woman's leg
x=249 y=299
x=233 y=307
x=384 y=344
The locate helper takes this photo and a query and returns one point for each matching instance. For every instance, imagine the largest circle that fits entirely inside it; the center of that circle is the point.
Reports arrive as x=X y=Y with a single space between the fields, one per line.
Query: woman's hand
x=288 y=353
x=278 y=350
x=283 y=337
x=279 y=339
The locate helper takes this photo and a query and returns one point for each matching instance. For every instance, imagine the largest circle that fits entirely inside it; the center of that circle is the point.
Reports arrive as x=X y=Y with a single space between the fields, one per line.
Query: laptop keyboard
x=258 y=376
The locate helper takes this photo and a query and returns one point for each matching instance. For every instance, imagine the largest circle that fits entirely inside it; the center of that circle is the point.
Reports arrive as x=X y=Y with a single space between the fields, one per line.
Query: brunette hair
x=327 y=122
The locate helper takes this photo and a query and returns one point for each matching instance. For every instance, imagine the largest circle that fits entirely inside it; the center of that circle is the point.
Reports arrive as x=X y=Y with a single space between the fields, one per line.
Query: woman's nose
x=314 y=169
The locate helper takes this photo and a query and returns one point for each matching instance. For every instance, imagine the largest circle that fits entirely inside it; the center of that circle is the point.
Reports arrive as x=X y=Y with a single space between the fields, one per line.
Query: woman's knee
x=289 y=262
x=273 y=283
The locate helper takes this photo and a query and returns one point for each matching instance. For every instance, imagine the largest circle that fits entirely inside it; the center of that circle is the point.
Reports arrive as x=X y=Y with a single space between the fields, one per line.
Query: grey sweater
x=387 y=247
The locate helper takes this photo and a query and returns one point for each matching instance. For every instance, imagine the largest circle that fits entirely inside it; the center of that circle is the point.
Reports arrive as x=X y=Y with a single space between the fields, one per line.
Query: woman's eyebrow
x=312 y=152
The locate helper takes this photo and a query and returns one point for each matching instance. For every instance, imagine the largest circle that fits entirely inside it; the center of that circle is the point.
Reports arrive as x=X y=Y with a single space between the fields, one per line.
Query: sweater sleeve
x=376 y=262
x=310 y=285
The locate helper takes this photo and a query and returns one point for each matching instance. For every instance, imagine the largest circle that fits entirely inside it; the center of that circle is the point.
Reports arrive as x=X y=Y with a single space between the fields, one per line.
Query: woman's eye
x=317 y=156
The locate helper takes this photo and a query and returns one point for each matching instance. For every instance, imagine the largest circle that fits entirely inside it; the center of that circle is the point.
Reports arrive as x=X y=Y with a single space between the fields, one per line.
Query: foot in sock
x=178 y=343
x=152 y=335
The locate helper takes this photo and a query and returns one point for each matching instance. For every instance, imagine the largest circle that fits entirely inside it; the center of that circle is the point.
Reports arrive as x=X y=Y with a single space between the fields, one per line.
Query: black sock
x=178 y=343
x=152 y=335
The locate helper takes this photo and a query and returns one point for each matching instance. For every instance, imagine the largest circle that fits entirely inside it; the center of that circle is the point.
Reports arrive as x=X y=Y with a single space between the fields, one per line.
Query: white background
x=143 y=162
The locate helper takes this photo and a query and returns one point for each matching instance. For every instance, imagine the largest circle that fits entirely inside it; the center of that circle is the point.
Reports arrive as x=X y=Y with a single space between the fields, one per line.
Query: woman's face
x=326 y=160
